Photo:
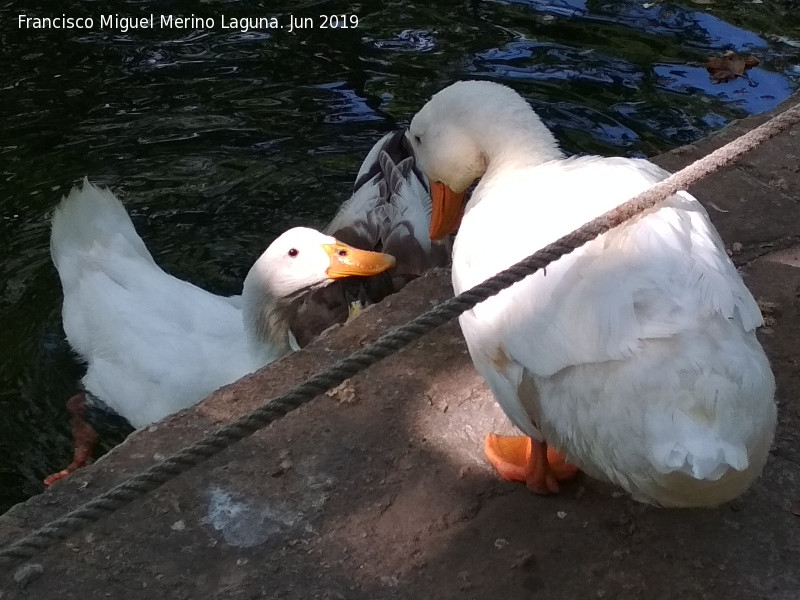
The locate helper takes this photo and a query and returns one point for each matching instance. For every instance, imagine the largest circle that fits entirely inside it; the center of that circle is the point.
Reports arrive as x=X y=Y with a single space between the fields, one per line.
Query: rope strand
x=397 y=338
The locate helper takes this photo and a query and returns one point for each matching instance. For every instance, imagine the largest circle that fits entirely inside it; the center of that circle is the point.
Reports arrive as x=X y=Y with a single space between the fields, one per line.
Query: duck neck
x=518 y=139
x=266 y=320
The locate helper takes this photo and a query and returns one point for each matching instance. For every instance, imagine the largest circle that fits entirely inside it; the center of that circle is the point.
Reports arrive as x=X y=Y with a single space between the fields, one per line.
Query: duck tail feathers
x=92 y=217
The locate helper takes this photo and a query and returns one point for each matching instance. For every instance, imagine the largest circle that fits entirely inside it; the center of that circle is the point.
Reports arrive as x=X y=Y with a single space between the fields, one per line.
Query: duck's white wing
x=154 y=344
x=653 y=305
x=648 y=278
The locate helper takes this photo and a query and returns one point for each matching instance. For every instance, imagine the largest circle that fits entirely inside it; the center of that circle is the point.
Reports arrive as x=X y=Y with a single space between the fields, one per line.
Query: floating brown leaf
x=729 y=66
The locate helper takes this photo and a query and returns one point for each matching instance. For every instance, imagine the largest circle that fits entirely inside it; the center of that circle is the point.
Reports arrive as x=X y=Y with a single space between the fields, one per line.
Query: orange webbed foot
x=84 y=436
x=520 y=458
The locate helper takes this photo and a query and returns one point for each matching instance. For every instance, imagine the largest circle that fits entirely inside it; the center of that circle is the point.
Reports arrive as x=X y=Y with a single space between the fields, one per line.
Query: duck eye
x=418 y=139
x=342 y=252
x=293 y=252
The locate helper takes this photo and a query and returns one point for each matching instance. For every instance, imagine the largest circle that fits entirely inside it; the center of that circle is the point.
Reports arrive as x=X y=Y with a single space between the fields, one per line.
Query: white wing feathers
x=138 y=324
x=653 y=277
x=652 y=312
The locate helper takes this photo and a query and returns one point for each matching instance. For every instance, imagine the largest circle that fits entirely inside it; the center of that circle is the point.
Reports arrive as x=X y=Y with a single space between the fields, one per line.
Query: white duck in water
x=635 y=355
x=155 y=344
x=389 y=211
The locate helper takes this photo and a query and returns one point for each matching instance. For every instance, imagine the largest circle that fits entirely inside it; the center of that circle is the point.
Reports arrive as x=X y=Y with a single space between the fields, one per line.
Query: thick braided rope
x=158 y=474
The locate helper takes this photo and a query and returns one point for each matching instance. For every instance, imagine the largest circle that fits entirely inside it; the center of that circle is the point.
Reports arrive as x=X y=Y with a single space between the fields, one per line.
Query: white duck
x=635 y=355
x=390 y=212
x=155 y=344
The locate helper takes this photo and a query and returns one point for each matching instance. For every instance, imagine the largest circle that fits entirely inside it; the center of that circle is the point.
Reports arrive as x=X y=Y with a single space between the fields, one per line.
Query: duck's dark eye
x=342 y=252
x=293 y=252
x=417 y=139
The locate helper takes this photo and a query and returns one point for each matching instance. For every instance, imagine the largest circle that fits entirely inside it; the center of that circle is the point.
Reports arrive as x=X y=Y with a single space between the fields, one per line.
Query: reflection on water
x=219 y=140
x=761 y=90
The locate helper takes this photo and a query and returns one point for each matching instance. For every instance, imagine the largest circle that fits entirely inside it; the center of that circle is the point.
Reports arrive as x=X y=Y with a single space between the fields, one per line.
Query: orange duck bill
x=347 y=261
x=448 y=208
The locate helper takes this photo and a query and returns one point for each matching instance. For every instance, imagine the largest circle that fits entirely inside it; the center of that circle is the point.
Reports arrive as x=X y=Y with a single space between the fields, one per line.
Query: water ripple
x=552 y=62
x=759 y=92
x=408 y=40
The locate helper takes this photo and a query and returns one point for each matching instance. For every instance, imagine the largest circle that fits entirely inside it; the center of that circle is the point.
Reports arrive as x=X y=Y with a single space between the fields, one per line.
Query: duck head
x=467 y=129
x=304 y=259
x=298 y=261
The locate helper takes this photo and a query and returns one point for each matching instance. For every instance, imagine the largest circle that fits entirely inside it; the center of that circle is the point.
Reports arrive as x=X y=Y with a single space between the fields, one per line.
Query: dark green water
x=217 y=140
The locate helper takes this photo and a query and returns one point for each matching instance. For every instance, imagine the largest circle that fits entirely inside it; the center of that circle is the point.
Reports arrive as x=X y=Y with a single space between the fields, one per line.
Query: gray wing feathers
x=389 y=211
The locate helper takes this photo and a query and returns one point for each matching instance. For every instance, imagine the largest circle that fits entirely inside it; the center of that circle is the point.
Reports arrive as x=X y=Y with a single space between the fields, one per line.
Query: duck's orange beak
x=347 y=261
x=448 y=208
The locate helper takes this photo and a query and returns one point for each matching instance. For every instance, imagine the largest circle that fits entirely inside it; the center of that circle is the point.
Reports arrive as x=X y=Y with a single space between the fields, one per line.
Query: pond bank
x=379 y=489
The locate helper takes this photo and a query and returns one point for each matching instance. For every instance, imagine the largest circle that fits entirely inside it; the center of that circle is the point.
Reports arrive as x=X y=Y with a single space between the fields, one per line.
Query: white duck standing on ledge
x=635 y=356
x=155 y=344
x=389 y=211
